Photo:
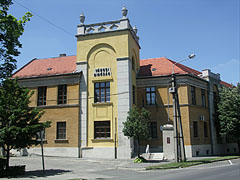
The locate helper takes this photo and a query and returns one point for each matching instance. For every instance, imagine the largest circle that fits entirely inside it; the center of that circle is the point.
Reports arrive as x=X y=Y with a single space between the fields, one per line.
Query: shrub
x=140 y=160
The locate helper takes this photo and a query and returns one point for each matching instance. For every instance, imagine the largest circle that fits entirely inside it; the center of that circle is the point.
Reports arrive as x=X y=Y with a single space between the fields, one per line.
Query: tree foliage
x=229 y=111
x=19 y=123
x=136 y=125
x=10 y=30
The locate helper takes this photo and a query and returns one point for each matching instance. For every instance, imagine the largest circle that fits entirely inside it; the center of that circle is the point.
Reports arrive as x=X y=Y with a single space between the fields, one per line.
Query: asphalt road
x=73 y=168
x=215 y=171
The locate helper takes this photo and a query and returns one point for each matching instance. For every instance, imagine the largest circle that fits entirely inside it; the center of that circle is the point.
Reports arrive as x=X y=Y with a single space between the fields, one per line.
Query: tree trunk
x=8 y=156
x=238 y=142
x=138 y=151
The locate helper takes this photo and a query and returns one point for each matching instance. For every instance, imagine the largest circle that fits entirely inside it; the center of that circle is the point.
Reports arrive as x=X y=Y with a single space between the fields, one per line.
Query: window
x=133 y=64
x=150 y=96
x=203 y=97
x=205 y=129
x=42 y=94
x=153 y=129
x=61 y=130
x=102 y=129
x=195 y=128
x=62 y=94
x=133 y=95
x=215 y=97
x=101 y=92
x=193 y=95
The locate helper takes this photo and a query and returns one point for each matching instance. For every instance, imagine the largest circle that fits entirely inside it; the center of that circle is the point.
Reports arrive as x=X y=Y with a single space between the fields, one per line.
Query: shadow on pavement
x=40 y=173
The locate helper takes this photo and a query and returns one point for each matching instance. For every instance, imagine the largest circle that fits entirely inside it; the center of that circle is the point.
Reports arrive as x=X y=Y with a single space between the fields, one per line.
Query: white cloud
x=229 y=71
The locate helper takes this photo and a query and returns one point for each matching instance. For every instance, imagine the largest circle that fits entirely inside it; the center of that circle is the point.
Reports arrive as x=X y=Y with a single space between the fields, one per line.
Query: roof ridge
x=55 y=57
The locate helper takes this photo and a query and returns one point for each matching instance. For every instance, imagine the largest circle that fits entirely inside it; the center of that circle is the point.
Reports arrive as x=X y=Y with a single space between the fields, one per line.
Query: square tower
x=108 y=56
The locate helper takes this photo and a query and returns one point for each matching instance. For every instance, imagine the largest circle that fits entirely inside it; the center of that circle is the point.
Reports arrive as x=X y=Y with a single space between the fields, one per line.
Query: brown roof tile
x=67 y=64
x=47 y=67
x=163 y=66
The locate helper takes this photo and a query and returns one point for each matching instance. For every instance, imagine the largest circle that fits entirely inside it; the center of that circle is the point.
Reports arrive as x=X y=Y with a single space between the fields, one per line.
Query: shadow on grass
x=46 y=173
x=156 y=161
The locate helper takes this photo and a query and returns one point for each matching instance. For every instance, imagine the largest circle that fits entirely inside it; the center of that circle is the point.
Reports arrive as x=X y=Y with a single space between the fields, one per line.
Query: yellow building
x=87 y=96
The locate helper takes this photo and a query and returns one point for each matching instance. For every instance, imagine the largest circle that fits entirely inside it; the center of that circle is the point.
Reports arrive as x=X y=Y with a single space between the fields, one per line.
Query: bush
x=140 y=160
x=13 y=171
x=2 y=163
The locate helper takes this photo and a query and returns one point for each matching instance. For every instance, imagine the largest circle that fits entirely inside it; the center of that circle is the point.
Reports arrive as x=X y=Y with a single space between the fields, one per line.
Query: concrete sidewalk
x=76 y=168
x=72 y=168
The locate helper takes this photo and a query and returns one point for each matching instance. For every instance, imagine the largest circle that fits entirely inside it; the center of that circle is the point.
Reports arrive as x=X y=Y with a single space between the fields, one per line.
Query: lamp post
x=179 y=153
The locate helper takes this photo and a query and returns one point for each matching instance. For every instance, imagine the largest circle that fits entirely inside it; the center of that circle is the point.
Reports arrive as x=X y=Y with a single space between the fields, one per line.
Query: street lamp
x=179 y=153
x=191 y=56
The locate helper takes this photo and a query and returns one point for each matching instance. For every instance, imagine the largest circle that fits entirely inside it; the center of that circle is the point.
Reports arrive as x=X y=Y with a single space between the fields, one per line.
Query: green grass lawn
x=191 y=163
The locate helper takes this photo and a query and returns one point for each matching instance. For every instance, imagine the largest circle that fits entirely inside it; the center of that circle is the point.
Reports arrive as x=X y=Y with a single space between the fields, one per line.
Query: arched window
x=133 y=64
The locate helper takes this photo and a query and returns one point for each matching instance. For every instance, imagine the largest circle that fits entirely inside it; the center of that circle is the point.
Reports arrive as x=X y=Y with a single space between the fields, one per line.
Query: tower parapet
x=109 y=26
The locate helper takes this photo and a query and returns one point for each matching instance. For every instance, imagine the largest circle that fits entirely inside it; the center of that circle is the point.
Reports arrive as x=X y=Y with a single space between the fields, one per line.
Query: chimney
x=62 y=55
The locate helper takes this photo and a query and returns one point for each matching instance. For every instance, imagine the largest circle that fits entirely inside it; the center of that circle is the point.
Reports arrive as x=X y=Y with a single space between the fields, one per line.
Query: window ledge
x=61 y=141
x=103 y=104
x=102 y=140
x=102 y=79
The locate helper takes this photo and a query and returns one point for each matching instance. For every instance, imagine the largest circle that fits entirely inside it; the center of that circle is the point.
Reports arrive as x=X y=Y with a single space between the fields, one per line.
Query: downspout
x=79 y=119
x=210 y=117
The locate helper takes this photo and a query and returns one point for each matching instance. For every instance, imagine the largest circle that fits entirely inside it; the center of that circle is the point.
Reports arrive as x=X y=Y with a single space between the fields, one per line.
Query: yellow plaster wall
x=33 y=98
x=159 y=113
x=70 y=116
x=52 y=94
x=72 y=94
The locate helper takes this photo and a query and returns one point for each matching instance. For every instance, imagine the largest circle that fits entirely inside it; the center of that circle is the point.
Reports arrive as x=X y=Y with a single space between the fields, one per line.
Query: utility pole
x=179 y=152
x=41 y=135
x=172 y=90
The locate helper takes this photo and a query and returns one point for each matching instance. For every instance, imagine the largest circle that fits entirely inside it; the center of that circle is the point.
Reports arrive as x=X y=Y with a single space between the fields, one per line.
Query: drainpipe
x=210 y=118
x=79 y=119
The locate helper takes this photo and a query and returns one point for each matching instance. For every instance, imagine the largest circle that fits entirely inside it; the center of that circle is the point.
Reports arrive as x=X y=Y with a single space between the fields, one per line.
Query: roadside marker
x=230 y=162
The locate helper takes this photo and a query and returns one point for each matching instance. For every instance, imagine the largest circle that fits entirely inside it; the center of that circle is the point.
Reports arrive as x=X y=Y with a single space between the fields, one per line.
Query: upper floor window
x=133 y=94
x=203 y=97
x=205 y=129
x=153 y=129
x=195 y=128
x=133 y=64
x=101 y=92
x=193 y=95
x=151 y=96
x=42 y=95
x=62 y=94
x=61 y=130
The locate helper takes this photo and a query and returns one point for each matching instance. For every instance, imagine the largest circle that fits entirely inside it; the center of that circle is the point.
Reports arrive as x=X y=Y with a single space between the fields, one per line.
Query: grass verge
x=191 y=163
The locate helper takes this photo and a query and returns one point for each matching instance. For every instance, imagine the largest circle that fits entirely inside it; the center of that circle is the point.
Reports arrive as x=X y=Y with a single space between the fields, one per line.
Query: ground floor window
x=153 y=129
x=61 y=130
x=102 y=129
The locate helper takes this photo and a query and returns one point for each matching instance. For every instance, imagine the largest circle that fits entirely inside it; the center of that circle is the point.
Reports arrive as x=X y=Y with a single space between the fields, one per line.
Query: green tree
x=229 y=112
x=10 y=30
x=19 y=123
x=136 y=125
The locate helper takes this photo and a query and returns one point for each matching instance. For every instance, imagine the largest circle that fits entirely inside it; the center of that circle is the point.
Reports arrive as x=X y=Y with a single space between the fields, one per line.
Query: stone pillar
x=125 y=144
x=168 y=141
x=82 y=66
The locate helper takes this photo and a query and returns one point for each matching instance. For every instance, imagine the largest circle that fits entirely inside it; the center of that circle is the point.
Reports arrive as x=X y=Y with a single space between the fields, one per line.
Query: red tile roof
x=226 y=84
x=67 y=64
x=47 y=67
x=163 y=66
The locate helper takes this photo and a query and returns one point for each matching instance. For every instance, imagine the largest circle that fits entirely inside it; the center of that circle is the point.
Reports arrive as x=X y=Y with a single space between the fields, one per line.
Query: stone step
x=153 y=156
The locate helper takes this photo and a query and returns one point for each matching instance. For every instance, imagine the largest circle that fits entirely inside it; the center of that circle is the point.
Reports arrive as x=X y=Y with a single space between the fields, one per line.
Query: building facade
x=87 y=96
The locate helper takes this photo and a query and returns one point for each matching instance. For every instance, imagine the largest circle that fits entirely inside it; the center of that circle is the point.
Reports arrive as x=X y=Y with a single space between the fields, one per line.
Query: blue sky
x=170 y=28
